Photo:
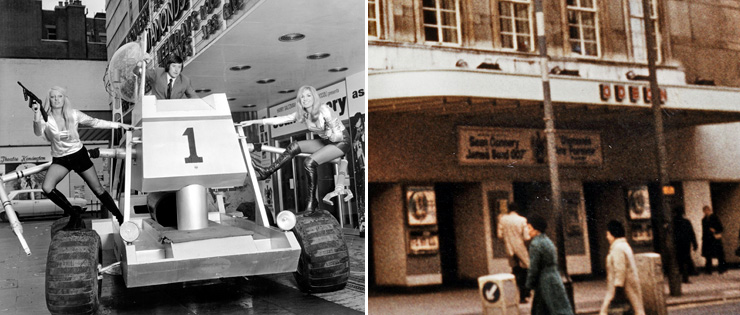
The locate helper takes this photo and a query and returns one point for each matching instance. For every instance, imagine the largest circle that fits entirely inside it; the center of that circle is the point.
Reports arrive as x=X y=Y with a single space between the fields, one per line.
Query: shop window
x=583 y=31
x=373 y=19
x=515 y=19
x=637 y=30
x=441 y=21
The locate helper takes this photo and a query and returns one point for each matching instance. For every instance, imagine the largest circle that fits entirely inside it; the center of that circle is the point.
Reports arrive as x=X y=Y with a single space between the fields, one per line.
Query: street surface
x=22 y=286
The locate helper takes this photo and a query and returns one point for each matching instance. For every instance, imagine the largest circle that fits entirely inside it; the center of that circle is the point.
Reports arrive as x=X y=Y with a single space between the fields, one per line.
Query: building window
x=637 y=30
x=51 y=32
x=515 y=18
x=441 y=21
x=373 y=19
x=583 y=32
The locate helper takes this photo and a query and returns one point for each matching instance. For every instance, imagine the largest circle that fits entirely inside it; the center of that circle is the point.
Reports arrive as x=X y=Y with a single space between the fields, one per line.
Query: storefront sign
x=22 y=159
x=605 y=92
x=334 y=96
x=526 y=147
x=173 y=25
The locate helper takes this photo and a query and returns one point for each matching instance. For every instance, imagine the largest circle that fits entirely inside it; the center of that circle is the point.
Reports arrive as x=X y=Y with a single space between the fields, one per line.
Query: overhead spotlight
x=461 y=64
x=203 y=91
x=318 y=56
x=249 y=105
x=231 y=99
x=559 y=71
x=703 y=81
x=338 y=69
x=266 y=81
x=631 y=75
x=489 y=64
x=291 y=37
x=240 y=68
x=286 y=91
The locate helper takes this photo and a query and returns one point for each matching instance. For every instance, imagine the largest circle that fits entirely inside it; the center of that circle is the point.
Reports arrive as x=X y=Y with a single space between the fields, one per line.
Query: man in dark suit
x=711 y=231
x=169 y=82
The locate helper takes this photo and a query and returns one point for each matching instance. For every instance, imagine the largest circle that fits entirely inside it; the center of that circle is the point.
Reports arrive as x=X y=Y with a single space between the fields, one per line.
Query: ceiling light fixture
x=318 y=56
x=266 y=81
x=291 y=37
x=338 y=69
x=286 y=91
x=249 y=105
x=231 y=99
x=240 y=68
x=203 y=91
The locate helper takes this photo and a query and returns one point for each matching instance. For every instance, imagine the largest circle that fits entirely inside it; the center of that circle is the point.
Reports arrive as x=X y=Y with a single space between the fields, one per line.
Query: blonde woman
x=334 y=141
x=68 y=153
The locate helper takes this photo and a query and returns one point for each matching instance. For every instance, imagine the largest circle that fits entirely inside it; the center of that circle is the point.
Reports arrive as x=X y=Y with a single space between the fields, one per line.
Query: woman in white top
x=334 y=141
x=68 y=153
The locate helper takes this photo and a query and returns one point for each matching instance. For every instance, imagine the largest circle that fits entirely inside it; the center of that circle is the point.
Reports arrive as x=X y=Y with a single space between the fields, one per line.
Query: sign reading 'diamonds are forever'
x=527 y=147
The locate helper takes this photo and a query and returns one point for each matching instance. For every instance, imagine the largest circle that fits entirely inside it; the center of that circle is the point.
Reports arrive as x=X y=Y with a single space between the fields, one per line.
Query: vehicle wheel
x=324 y=262
x=58 y=225
x=4 y=217
x=72 y=283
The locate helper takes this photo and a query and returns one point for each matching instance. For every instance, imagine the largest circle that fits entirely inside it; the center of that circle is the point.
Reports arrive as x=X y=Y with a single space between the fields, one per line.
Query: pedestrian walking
x=622 y=284
x=512 y=229
x=685 y=239
x=711 y=237
x=543 y=276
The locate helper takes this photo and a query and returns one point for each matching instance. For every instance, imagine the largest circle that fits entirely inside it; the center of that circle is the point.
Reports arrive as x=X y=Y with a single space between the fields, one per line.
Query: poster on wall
x=638 y=202
x=357 y=134
x=421 y=205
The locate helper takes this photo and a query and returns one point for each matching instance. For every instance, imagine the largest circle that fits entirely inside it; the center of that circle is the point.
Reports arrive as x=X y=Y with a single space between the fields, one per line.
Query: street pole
x=664 y=226
x=552 y=158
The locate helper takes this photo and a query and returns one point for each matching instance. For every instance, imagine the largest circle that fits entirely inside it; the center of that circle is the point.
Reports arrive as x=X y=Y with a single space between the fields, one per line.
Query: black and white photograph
x=183 y=157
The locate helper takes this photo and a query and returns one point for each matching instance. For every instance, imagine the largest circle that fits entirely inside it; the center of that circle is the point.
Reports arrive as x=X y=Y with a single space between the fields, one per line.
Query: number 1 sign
x=189 y=141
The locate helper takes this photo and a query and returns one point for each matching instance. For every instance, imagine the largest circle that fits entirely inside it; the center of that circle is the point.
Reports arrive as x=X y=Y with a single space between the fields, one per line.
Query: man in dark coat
x=685 y=239
x=543 y=276
x=711 y=237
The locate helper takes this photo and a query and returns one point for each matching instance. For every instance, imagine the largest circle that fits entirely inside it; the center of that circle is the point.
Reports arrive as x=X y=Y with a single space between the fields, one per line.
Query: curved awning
x=586 y=100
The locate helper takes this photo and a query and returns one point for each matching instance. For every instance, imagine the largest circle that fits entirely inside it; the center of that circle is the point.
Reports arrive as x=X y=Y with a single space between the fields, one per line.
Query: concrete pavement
x=588 y=295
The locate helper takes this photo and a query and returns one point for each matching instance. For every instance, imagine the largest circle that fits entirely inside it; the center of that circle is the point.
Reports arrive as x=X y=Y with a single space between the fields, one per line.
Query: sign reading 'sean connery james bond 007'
x=526 y=147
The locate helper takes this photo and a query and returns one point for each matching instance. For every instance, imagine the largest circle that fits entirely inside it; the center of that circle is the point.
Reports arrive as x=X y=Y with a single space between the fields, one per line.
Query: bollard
x=650 y=272
x=499 y=294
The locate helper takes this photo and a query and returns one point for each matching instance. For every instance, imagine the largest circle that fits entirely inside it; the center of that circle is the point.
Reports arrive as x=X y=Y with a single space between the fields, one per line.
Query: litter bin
x=499 y=294
x=650 y=272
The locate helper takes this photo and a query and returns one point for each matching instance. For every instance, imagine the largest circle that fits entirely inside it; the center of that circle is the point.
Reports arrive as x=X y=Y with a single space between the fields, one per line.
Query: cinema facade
x=456 y=132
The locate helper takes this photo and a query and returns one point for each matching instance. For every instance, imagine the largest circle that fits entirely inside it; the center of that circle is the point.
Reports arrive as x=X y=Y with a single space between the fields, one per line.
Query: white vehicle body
x=34 y=203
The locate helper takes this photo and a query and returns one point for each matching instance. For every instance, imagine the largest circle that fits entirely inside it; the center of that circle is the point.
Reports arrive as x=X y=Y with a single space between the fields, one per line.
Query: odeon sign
x=180 y=41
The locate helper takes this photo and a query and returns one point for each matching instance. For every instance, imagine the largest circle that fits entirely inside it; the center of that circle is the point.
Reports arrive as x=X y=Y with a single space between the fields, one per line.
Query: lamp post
x=552 y=158
x=664 y=226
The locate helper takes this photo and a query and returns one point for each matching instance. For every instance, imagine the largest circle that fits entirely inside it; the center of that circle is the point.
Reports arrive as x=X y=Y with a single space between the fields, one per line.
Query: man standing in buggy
x=334 y=141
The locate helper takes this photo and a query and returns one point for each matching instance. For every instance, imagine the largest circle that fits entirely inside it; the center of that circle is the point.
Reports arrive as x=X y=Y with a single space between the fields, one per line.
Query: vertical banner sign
x=357 y=158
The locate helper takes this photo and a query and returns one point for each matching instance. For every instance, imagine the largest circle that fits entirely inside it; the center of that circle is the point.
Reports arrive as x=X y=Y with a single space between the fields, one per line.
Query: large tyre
x=58 y=225
x=324 y=262
x=72 y=284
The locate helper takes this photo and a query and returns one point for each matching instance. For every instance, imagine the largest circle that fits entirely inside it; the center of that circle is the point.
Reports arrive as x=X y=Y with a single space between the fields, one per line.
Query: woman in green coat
x=543 y=276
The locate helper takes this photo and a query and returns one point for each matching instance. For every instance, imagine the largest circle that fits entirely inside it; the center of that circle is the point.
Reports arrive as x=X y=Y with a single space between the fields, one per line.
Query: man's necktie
x=169 y=89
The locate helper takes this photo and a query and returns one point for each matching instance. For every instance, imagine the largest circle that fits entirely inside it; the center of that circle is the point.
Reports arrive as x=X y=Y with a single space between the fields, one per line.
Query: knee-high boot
x=311 y=166
x=75 y=220
x=263 y=173
x=109 y=204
